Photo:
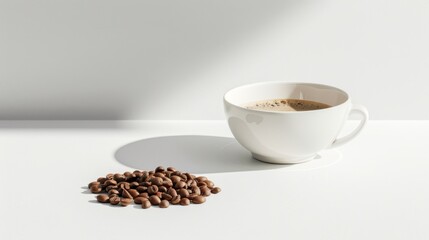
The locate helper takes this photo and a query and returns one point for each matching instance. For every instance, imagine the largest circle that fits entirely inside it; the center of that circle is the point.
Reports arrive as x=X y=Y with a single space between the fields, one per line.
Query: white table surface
x=376 y=187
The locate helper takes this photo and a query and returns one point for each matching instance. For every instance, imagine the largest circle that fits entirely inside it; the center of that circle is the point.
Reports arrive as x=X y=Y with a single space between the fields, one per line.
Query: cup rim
x=289 y=83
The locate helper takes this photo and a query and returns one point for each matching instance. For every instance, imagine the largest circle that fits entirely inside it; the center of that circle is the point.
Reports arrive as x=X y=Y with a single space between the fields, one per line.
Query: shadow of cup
x=204 y=154
x=191 y=153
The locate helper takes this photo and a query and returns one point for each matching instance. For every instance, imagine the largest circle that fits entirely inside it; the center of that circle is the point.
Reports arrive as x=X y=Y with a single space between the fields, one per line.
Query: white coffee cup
x=293 y=136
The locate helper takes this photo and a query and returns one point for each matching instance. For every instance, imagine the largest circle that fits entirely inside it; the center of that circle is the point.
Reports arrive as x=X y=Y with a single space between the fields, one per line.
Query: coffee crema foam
x=286 y=105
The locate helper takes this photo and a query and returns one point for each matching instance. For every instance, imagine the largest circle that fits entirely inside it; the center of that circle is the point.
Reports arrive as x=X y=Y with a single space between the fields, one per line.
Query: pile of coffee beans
x=160 y=187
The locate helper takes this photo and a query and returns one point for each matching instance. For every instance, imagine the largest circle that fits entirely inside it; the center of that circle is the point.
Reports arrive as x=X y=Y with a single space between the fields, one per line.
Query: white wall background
x=169 y=59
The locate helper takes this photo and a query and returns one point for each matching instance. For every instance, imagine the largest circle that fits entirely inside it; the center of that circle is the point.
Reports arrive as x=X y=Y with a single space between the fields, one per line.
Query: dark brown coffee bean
x=103 y=198
x=167 y=183
x=125 y=201
x=175 y=200
x=93 y=184
x=192 y=196
x=145 y=195
x=159 y=169
x=108 y=188
x=201 y=184
x=189 y=183
x=196 y=190
x=164 y=204
x=152 y=189
x=180 y=185
x=166 y=196
x=95 y=189
x=205 y=191
x=146 y=204
x=139 y=200
x=184 y=202
x=126 y=194
x=184 y=177
x=154 y=200
x=113 y=195
x=119 y=177
x=172 y=192
x=145 y=184
x=209 y=184
x=110 y=182
x=124 y=185
x=141 y=189
x=175 y=179
x=128 y=174
x=198 y=199
x=201 y=179
x=157 y=181
x=113 y=191
x=215 y=190
x=134 y=193
x=109 y=176
x=101 y=180
x=114 y=200
x=159 y=194
x=159 y=174
x=134 y=184
x=162 y=189
x=183 y=193
x=171 y=169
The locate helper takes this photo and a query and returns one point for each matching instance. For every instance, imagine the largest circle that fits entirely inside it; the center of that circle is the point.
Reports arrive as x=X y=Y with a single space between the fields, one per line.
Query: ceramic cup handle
x=361 y=110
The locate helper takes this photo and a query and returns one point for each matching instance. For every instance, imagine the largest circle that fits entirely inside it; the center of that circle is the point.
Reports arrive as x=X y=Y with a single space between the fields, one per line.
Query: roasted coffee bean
x=152 y=189
x=209 y=184
x=172 y=192
x=154 y=200
x=183 y=193
x=103 y=198
x=109 y=176
x=141 y=189
x=128 y=174
x=184 y=202
x=157 y=181
x=145 y=195
x=146 y=204
x=113 y=191
x=201 y=179
x=110 y=182
x=184 y=177
x=189 y=183
x=114 y=200
x=159 y=194
x=175 y=179
x=198 y=199
x=113 y=195
x=101 y=180
x=164 y=204
x=108 y=188
x=134 y=184
x=119 y=177
x=201 y=184
x=124 y=185
x=171 y=169
x=134 y=193
x=125 y=201
x=162 y=189
x=167 y=183
x=192 y=196
x=215 y=190
x=93 y=184
x=175 y=200
x=159 y=174
x=159 y=169
x=205 y=191
x=126 y=194
x=166 y=196
x=95 y=189
x=145 y=184
x=180 y=185
x=139 y=200
x=196 y=190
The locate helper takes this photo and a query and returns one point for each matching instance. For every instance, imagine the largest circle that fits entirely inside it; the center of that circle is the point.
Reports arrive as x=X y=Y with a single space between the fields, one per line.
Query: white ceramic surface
x=290 y=137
